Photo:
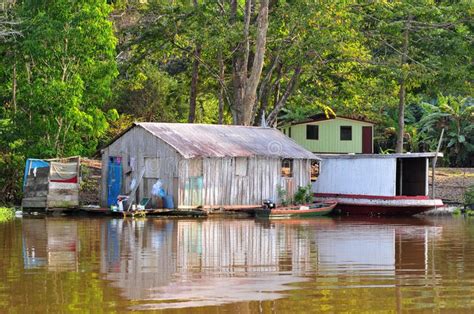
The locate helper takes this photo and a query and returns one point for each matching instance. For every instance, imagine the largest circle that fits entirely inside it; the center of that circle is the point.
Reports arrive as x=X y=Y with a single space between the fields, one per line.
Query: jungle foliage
x=76 y=73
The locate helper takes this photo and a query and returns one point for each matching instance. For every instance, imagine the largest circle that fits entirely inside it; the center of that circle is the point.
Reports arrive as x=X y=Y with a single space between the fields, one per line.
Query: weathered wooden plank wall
x=134 y=147
x=225 y=181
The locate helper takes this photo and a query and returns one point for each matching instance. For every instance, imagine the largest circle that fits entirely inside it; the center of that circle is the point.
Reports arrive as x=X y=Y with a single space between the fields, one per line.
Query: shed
x=51 y=183
x=203 y=166
x=333 y=134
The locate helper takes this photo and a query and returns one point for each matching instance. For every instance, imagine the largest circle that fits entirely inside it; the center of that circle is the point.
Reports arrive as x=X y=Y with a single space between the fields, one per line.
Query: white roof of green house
x=332 y=134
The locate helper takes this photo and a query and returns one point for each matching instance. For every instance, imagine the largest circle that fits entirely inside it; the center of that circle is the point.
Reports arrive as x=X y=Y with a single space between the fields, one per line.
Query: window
x=312 y=132
x=287 y=168
x=241 y=166
x=346 y=133
x=315 y=170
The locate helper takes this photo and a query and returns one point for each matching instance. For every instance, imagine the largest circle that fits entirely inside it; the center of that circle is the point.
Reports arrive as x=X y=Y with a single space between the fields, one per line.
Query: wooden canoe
x=308 y=210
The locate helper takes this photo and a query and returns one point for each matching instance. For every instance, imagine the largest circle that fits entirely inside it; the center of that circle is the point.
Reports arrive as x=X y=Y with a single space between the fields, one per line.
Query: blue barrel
x=168 y=202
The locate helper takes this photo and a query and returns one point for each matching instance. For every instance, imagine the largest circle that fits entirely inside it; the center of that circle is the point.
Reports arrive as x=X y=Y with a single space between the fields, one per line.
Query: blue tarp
x=31 y=164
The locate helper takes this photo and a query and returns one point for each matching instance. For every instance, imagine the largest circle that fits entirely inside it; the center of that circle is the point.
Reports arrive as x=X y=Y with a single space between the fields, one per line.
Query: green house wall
x=329 y=136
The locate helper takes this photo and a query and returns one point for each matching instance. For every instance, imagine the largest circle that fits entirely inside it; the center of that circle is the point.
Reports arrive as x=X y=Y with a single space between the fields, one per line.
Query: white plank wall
x=371 y=176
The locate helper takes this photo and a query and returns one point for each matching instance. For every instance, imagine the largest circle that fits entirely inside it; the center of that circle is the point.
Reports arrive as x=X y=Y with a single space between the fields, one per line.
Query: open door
x=367 y=147
x=114 y=180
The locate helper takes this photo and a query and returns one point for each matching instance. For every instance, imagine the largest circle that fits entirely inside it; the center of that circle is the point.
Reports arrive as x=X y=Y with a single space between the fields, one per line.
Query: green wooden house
x=322 y=134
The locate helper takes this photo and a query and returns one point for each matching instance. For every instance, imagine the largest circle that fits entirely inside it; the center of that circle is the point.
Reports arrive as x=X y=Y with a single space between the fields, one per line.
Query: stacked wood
x=91 y=171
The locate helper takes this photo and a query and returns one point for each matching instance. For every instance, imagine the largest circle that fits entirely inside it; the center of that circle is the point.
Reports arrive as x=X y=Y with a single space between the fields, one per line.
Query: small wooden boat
x=308 y=210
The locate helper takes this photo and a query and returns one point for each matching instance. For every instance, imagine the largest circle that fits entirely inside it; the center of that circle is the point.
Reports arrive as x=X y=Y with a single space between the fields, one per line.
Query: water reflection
x=189 y=263
x=51 y=243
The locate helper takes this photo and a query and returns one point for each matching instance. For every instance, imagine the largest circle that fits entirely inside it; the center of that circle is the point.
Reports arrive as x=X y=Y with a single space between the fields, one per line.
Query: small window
x=315 y=170
x=287 y=168
x=346 y=133
x=312 y=132
x=289 y=131
x=241 y=166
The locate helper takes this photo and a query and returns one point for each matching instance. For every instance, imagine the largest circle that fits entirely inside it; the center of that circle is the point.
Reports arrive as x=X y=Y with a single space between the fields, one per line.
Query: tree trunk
x=220 y=118
x=250 y=95
x=402 y=91
x=244 y=85
x=14 y=88
x=194 y=85
x=194 y=79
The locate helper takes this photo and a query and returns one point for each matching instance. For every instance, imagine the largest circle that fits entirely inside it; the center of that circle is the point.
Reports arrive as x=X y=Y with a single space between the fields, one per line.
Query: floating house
x=394 y=184
x=333 y=134
x=203 y=166
x=51 y=184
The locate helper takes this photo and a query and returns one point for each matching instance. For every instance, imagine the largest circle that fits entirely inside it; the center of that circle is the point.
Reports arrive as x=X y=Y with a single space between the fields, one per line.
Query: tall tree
x=410 y=41
x=65 y=64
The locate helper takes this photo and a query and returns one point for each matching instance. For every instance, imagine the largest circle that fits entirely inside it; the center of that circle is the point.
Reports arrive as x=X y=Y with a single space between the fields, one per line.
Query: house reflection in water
x=50 y=242
x=377 y=248
x=138 y=255
x=182 y=263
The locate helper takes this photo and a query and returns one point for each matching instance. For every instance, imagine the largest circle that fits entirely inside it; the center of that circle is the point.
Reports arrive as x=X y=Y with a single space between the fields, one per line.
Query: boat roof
x=380 y=156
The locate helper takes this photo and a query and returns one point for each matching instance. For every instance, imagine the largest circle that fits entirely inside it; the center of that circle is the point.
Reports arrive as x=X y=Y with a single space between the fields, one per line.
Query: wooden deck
x=147 y=212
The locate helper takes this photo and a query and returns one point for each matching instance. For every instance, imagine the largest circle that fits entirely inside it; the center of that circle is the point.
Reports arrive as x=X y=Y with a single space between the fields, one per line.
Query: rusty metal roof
x=210 y=140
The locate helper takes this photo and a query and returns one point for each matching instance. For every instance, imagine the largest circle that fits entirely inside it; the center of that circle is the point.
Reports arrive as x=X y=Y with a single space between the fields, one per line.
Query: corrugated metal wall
x=329 y=136
x=369 y=176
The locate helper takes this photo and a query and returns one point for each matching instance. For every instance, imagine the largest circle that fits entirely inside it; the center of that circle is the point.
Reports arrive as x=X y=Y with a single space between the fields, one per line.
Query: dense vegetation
x=75 y=73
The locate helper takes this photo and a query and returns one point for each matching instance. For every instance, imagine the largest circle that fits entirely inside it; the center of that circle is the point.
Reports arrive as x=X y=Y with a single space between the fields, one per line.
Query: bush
x=6 y=214
x=469 y=197
x=303 y=195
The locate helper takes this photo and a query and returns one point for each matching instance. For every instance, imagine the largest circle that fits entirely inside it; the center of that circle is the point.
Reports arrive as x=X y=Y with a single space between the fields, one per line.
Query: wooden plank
x=35 y=188
x=33 y=203
x=30 y=194
x=63 y=186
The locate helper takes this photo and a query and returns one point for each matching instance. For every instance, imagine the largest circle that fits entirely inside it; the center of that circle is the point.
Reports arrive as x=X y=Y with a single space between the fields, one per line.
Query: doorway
x=114 y=180
x=367 y=147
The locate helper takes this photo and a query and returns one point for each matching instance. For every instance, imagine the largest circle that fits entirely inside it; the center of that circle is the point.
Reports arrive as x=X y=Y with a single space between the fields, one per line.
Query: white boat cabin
x=373 y=175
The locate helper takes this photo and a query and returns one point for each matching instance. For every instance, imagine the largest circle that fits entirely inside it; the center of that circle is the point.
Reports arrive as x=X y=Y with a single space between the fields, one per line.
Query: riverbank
x=451 y=183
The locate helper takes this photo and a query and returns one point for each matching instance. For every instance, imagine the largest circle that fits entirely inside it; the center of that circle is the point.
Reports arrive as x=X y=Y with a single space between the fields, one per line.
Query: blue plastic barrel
x=168 y=202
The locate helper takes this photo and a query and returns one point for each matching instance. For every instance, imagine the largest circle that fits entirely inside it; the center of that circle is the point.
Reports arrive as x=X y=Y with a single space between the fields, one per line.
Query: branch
x=281 y=103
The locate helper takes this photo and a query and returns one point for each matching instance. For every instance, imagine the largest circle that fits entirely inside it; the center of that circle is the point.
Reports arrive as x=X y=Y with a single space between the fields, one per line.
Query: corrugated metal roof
x=209 y=140
x=362 y=156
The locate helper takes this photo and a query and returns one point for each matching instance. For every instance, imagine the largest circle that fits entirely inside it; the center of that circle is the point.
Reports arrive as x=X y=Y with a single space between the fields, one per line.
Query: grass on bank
x=6 y=213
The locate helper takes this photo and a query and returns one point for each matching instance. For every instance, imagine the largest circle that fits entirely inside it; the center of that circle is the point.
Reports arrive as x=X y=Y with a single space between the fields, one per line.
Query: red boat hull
x=379 y=205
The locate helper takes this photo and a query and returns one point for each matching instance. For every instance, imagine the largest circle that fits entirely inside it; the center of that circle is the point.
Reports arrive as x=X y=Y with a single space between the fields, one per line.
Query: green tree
x=421 y=47
x=60 y=76
x=56 y=76
x=456 y=116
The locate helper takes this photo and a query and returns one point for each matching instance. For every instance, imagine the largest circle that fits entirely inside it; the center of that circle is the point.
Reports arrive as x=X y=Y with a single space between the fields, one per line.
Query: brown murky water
x=246 y=266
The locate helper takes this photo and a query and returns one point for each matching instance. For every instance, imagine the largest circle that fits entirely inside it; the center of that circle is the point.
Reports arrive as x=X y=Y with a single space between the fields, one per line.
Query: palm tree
x=456 y=116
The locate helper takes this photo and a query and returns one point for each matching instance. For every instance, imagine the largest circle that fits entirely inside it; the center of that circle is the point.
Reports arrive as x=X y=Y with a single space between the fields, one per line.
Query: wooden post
x=401 y=177
x=435 y=159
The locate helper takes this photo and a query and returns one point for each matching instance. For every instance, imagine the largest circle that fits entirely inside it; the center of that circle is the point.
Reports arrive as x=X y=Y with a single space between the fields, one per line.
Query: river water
x=64 y=264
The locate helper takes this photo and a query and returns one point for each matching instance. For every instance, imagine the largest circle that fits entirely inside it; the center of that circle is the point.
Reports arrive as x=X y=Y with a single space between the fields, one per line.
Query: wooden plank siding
x=41 y=192
x=137 y=144
x=329 y=136
x=370 y=176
